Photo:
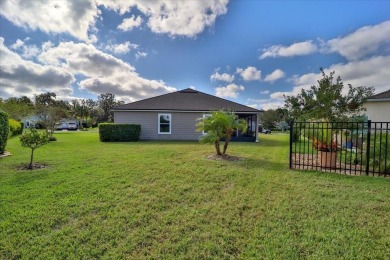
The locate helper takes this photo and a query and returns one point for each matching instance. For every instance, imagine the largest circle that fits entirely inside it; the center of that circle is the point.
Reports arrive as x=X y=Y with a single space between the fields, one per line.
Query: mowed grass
x=165 y=200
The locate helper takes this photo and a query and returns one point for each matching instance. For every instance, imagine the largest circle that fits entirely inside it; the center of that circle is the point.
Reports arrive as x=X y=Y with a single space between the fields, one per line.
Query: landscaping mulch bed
x=223 y=157
x=309 y=162
x=35 y=166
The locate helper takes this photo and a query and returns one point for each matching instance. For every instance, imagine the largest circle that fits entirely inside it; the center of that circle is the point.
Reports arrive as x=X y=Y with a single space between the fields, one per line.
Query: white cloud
x=129 y=23
x=121 y=48
x=73 y=17
x=230 y=91
x=265 y=104
x=19 y=43
x=222 y=77
x=103 y=72
x=275 y=75
x=24 y=77
x=250 y=73
x=175 y=18
x=265 y=92
x=78 y=18
x=296 y=49
x=140 y=54
x=369 y=72
x=26 y=51
x=363 y=42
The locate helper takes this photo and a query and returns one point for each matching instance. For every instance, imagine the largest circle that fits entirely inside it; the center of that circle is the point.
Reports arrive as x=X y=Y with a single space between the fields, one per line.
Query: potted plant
x=326 y=147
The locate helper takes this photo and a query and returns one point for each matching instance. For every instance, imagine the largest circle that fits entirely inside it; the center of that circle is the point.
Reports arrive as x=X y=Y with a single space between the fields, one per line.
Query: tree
x=79 y=109
x=50 y=111
x=269 y=118
x=4 y=130
x=106 y=103
x=17 y=108
x=221 y=124
x=327 y=100
x=33 y=139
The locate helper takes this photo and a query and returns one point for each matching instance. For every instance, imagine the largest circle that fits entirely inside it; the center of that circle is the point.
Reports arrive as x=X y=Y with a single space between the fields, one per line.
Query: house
x=378 y=107
x=173 y=116
x=30 y=121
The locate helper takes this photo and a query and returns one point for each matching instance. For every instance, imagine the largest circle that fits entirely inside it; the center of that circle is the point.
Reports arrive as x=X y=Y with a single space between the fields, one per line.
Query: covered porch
x=252 y=133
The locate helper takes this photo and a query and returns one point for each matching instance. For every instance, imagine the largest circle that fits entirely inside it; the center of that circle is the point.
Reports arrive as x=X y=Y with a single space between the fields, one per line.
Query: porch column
x=257 y=128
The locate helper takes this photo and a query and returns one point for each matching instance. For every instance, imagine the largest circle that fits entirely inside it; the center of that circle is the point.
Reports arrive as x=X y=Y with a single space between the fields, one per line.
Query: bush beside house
x=109 y=132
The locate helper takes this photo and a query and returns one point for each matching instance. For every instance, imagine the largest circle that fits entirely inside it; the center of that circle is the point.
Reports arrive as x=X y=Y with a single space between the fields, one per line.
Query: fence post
x=368 y=147
x=291 y=140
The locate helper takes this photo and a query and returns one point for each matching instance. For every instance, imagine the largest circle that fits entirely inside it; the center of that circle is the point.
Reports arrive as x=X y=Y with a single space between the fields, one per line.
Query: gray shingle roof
x=186 y=100
x=383 y=95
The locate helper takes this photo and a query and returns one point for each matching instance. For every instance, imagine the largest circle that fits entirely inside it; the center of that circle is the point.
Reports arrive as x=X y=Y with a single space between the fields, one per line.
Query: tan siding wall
x=378 y=111
x=182 y=125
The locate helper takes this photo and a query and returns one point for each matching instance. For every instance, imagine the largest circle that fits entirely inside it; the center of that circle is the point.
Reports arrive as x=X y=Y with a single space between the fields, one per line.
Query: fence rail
x=353 y=148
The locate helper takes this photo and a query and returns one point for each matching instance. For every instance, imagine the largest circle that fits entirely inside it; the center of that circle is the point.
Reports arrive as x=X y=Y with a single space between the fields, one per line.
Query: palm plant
x=220 y=125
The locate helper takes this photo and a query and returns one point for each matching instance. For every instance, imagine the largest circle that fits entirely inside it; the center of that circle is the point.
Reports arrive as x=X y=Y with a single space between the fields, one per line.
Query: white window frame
x=170 y=124
x=204 y=116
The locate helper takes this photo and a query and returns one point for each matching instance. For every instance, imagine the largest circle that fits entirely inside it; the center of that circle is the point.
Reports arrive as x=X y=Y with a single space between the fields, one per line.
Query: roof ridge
x=220 y=103
x=378 y=96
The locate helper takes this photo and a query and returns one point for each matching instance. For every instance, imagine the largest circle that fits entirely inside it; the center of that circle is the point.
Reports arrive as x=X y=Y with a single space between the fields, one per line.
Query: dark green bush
x=52 y=138
x=21 y=128
x=109 y=132
x=4 y=130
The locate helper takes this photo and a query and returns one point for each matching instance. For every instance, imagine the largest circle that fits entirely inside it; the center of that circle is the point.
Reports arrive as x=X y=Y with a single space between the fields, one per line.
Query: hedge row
x=4 y=129
x=109 y=132
x=15 y=127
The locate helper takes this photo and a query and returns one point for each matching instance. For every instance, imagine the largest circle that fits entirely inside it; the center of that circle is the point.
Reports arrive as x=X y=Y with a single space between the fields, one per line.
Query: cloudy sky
x=251 y=52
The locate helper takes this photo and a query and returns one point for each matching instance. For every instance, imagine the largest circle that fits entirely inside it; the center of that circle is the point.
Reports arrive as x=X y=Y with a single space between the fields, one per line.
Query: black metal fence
x=353 y=148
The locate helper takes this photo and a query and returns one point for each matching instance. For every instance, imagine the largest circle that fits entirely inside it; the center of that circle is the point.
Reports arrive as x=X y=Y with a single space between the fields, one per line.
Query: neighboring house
x=173 y=116
x=30 y=121
x=378 y=107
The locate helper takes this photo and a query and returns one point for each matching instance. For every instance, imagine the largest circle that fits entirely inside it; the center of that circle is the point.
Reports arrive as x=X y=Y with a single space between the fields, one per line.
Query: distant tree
x=273 y=117
x=33 y=139
x=327 y=100
x=79 y=109
x=220 y=124
x=106 y=103
x=93 y=110
x=17 y=108
x=269 y=118
x=50 y=110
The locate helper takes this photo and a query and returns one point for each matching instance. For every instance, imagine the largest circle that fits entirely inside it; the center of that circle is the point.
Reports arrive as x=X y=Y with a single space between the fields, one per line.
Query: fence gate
x=352 y=148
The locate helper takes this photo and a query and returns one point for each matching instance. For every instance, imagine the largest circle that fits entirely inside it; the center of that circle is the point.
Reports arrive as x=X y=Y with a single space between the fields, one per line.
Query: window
x=164 y=123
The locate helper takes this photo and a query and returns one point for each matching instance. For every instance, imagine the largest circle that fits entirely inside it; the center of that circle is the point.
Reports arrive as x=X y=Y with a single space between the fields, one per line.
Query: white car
x=72 y=125
x=266 y=131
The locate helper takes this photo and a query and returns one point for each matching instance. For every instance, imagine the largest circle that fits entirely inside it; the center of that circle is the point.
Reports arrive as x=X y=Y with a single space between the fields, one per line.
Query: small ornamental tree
x=221 y=124
x=4 y=130
x=33 y=139
x=330 y=100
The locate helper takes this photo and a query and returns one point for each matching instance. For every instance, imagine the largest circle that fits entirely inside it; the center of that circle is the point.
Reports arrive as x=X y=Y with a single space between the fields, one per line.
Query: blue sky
x=251 y=52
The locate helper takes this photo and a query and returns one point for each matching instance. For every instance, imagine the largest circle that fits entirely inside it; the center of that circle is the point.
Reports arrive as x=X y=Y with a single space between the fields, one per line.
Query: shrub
x=33 y=140
x=109 y=132
x=21 y=128
x=380 y=153
x=14 y=126
x=4 y=130
x=52 y=138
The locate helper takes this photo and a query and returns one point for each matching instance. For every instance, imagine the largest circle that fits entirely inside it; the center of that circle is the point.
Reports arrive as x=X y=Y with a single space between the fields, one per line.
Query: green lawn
x=166 y=200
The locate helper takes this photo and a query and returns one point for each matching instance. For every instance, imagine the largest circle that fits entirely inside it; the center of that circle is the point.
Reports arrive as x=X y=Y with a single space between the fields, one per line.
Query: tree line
x=51 y=110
